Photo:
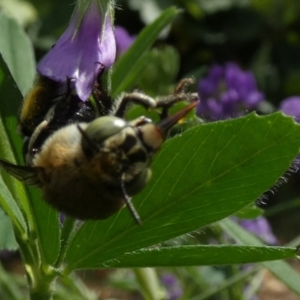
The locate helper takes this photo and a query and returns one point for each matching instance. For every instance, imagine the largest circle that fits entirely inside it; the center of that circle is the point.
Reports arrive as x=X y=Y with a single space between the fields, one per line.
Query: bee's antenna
x=130 y=206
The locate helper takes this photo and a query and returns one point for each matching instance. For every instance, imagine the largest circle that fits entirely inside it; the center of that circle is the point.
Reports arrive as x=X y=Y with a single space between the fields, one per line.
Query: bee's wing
x=27 y=175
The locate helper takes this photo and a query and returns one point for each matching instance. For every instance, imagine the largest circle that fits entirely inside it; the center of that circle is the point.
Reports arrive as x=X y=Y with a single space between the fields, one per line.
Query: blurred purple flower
x=123 y=39
x=172 y=285
x=86 y=46
x=261 y=228
x=227 y=91
x=291 y=107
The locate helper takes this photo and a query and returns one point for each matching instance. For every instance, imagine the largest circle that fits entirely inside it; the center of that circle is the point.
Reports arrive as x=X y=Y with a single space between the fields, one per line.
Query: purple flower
x=261 y=228
x=227 y=91
x=123 y=39
x=85 y=47
x=172 y=285
x=291 y=107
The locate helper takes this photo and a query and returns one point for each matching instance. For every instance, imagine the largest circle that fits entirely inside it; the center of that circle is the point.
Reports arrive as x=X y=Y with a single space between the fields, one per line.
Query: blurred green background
x=260 y=35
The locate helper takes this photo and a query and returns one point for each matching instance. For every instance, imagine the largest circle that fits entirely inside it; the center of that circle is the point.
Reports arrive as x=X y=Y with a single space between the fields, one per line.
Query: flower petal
x=81 y=52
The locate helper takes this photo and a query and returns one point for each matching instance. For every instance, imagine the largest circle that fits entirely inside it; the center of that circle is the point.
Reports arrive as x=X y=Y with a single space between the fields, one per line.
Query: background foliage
x=224 y=174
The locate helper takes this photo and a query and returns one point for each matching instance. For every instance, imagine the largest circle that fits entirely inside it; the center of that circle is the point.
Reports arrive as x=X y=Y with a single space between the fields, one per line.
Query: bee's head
x=153 y=135
x=128 y=134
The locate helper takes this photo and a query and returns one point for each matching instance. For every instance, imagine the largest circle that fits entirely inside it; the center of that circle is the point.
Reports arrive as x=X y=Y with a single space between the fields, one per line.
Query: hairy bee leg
x=130 y=206
x=41 y=127
x=170 y=100
x=135 y=97
x=166 y=102
x=36 y=133
x=183 y=84
x=179 y=94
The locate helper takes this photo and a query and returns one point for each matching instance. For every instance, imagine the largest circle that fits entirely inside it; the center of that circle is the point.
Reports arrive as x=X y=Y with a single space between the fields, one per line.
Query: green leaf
x=42 y=218
x=200 y=177
x=204 y=255
x=131 y=59
x=46 y=225
x=17 y=51
x=10 y=189
x=9 y=107
x=250 y=212
x=280 y=269
x=131 y=78
x=9 y=205
x=67 y=232
x=7 y=236
x=159 y=72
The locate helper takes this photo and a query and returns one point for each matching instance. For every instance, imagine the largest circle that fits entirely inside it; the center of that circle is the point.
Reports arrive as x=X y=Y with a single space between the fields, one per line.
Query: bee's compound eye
x=139 y=182
x=102 y=128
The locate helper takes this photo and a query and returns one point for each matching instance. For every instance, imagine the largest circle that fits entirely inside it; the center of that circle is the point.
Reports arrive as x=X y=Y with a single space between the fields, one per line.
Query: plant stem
x=149 y=283
x=41 y=282
x=67 y=234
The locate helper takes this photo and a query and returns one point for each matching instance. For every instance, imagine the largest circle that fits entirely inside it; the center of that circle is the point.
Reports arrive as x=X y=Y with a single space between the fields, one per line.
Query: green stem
x=227 y=283
x=254 y=285
x=41 y=282
x=236 y=290
x=149 y=283
x=67 y=234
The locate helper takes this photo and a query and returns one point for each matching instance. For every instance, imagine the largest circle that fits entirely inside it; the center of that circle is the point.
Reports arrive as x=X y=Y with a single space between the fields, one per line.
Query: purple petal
x=108 y=47
x=172 y=285
x=229 y=96
x=232 y=75
x=123 y=39
x=216 y=73
x=260 y=227
x=229 y=103
x=216 y=108
x=244 y=83
x=168 y=279
x=210 y=108
x=253 y=99
x=291 y=107
x=207 y=87
x=227 y=91
x=79 y=55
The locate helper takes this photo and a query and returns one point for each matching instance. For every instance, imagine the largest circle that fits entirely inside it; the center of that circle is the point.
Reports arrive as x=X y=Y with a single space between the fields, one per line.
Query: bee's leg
x=135 y=97
x=32 y=149
x=165 y=103
x=180 y=94
x=101 y=99
x=183 y=85
x=130 y=206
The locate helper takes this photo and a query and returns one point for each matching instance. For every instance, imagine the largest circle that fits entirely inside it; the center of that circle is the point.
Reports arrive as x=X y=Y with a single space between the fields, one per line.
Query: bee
x=90 y=170
x=56 y=101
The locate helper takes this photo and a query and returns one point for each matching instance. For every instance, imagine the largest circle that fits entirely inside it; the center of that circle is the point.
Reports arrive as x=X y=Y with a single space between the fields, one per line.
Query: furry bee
x=89 y=170
x=58 y=104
